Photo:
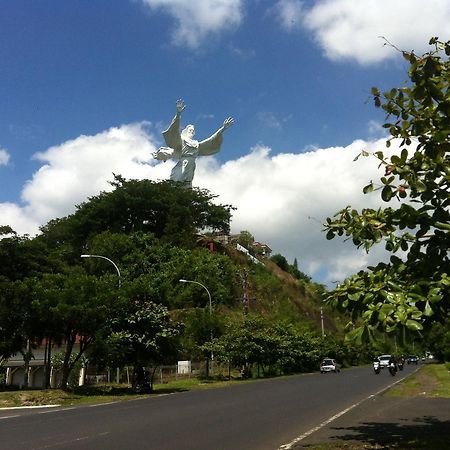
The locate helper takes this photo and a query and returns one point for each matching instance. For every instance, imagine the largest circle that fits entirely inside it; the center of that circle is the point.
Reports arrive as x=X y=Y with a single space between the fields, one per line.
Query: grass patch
x=432 y=380
x=430 y=443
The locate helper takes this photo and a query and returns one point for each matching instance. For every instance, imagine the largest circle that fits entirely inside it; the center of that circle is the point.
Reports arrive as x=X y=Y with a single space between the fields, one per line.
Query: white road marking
x=28 y=407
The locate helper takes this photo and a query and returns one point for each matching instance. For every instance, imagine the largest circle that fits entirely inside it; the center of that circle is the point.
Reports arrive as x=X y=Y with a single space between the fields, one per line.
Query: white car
x=329 y=365
x=384 y=360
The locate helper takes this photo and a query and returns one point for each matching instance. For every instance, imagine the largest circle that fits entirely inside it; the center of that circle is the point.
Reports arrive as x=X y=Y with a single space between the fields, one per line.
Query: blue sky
x=87 y=86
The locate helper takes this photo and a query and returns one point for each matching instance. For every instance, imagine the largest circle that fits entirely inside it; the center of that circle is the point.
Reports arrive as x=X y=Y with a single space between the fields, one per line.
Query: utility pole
x=246 y=290
x=321 y=321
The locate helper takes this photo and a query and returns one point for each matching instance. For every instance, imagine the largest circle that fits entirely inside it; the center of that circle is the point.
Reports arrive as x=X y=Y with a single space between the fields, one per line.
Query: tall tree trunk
x=27 y=355
x=48 y=363
x=66 y=364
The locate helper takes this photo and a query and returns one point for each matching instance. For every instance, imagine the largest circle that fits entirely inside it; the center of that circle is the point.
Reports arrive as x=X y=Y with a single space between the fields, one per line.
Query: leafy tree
x=170 y=213
x=246 y=239
x=25 y=257
x=200 y=327
x=270 y=345
x=18 y=322
x=153 y=269
x=76 y=307
x=280 y=261
x=295 y=272
x=144 y=335
x=411 y=291
x=438 y=341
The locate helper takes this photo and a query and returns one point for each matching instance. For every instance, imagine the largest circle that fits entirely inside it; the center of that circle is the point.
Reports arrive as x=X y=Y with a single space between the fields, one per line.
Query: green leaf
x=420 y=186
x=386 y=193
x=330 y=235
x=414 y=325
x=428 y=309
x=355 y=335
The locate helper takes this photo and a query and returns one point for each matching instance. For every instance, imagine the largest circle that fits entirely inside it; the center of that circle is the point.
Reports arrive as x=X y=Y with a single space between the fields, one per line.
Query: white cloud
x=348 y=29
x=197 y=20
x=78 y=169
x=19 y=219
x=282 y=199
x=4 y=157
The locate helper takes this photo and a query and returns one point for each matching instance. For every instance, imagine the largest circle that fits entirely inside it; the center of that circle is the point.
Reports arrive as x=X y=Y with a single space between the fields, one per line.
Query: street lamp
x=118 y=273
x=205 y=288
x=107 y=259
x=210 y=305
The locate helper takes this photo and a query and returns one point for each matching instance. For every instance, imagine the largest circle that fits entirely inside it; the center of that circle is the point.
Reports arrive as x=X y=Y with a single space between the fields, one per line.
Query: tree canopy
x=410 y=291
x=170 y=213
x=150 y=230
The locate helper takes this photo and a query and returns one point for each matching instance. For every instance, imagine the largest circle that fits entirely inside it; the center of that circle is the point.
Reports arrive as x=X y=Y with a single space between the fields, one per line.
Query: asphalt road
x=249 y=416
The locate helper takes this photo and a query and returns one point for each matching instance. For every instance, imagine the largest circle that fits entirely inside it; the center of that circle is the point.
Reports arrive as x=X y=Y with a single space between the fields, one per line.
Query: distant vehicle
x=412 y=359
x=376 y=366
x=384 y=361
x=329 y=365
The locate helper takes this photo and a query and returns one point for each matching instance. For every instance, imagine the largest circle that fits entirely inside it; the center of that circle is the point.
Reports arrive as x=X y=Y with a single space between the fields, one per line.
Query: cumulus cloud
x=19 y=219
x=197 y=20
x=349 y=30
x=4 y=157
x=282 y=200
x=77 y=169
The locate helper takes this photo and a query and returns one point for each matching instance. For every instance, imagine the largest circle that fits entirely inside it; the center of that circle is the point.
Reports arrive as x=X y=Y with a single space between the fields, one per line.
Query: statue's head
x=188 y=131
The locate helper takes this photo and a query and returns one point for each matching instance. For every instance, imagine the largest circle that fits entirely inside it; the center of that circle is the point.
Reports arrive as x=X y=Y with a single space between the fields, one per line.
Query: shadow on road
x=427 y=432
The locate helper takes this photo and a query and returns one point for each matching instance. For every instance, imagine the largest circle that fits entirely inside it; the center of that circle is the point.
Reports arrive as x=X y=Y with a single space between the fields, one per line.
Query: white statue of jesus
x=183 y=146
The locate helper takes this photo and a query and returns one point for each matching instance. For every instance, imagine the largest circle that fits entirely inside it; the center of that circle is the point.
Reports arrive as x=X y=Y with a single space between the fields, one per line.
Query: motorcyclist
x=392 y=365
x=376 y=365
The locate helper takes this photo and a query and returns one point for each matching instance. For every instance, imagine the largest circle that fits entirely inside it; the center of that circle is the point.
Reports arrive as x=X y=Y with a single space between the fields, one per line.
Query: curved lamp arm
x=107 y=259
x=204 y=287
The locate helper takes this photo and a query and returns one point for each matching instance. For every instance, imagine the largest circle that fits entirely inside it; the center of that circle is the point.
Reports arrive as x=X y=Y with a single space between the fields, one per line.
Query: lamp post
x=321 y=321
x=118 y=273
x=107 y=259
x=210 y=305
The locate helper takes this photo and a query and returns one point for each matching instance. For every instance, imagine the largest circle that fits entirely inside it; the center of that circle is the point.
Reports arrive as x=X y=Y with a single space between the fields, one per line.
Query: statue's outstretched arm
x=172 y=134
x=212 y=144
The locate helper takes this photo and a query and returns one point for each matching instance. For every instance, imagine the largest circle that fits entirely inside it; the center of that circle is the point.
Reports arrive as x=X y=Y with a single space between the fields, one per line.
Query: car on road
x=412 y=359
x=384 y=360
x=329 y=365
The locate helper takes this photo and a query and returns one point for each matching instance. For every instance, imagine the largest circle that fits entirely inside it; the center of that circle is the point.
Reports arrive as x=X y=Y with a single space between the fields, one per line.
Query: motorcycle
x=376 y=366
x=143 y=383
x=392 y=368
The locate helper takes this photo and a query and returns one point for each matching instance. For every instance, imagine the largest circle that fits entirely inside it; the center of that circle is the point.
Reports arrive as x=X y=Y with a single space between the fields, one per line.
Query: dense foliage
x=124 y=304
x=411 y=291
x=48 y=293
x=256 y=342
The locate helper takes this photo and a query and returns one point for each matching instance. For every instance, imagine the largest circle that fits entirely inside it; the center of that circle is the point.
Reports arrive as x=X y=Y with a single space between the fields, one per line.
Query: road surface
x=261 y=415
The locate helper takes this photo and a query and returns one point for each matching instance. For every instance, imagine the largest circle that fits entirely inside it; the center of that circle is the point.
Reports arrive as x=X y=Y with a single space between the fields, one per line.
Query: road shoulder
x=384 y=422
